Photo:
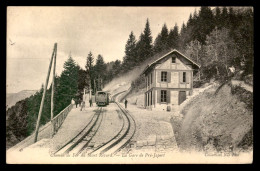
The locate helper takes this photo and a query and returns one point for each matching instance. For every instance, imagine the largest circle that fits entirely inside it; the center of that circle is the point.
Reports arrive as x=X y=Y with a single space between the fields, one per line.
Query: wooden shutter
x=158 y=76
x=168 y=77
x=159 y=96
x=168 y=96
x=181 y=77
x=188 y=77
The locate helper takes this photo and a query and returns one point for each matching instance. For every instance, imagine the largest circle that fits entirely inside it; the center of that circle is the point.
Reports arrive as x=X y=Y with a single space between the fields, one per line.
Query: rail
x=84 y=136
x=59 y=119
x=120 y=140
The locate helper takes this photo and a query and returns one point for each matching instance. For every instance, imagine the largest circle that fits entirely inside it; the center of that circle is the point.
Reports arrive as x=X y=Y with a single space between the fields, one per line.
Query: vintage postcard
x=129 y=85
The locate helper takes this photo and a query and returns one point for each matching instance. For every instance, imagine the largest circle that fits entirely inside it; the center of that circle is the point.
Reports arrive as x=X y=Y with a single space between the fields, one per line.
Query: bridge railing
x=59 y=119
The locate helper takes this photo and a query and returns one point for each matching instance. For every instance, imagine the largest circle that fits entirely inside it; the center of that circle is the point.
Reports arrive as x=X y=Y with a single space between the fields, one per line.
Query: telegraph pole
x=52 y=90
x=43 y=96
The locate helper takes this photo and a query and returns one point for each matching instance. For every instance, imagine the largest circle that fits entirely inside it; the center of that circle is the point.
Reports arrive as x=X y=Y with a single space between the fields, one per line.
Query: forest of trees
x=216 y=39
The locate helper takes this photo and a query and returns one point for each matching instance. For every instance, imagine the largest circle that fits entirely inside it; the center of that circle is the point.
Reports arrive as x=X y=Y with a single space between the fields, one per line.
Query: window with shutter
x=163 y=96
x=163 y=76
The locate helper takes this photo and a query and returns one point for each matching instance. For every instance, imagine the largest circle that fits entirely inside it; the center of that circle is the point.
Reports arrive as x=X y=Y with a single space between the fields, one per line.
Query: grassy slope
x=220 y=120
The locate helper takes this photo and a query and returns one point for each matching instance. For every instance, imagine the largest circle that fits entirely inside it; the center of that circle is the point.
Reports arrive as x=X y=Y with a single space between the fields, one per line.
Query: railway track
x=120 y=140
x=82 y=143
x=83 y=139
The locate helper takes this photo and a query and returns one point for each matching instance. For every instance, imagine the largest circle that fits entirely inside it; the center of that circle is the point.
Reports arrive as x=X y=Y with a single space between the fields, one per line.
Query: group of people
x=81 y=103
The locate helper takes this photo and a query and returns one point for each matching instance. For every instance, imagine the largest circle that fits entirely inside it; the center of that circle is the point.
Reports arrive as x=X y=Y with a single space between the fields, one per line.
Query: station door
x=182 y=96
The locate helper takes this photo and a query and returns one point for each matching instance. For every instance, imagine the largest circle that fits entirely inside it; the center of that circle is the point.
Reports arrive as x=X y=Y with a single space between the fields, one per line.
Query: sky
x=76 y=30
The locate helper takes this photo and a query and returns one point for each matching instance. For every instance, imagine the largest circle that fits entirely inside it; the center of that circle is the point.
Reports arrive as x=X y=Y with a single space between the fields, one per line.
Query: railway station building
x=169 y=79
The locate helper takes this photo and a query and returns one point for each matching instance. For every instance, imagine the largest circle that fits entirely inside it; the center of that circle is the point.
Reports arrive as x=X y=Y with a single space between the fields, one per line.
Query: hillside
x=16 y=123
x=12 y=98
x=217 y=122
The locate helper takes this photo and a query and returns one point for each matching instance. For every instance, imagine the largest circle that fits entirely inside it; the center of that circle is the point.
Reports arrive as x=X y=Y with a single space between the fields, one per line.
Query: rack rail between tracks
x=123 y=137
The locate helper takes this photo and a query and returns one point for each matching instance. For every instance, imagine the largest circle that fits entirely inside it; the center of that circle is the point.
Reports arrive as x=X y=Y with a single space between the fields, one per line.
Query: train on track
x=102 y=98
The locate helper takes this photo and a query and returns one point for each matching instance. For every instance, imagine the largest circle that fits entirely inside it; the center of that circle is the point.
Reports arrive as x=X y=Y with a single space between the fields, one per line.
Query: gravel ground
x=151 y=123
x=148 y=122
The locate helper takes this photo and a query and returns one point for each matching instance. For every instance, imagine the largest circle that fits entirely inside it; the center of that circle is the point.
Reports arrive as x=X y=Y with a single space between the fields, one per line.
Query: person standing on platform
x=76 y=102
x=125 y=103
x=82 y=105
x=90 y=102
x=79 y=102
x=72 y=102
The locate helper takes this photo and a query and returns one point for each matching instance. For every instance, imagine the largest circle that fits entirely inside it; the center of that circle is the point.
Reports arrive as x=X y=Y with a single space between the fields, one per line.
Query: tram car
x=102 y=98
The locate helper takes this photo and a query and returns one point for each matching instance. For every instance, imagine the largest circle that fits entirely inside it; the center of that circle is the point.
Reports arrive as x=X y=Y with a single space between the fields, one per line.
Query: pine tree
x=130 y=51
x=144 y=46
x=164 y=35
x=116 y=68
x=218 y=18
x=89 y=70
x=173 y=38
x=147 y=39
x=68 y=86
x=130 y=45
x=224 y=17
x=183 y=37
x=100 y=67
x=82 y=83
x=161 y=41
x=206 y=23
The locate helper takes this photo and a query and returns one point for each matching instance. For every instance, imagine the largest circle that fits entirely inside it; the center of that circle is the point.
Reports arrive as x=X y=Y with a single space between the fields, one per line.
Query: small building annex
x=169 y=80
